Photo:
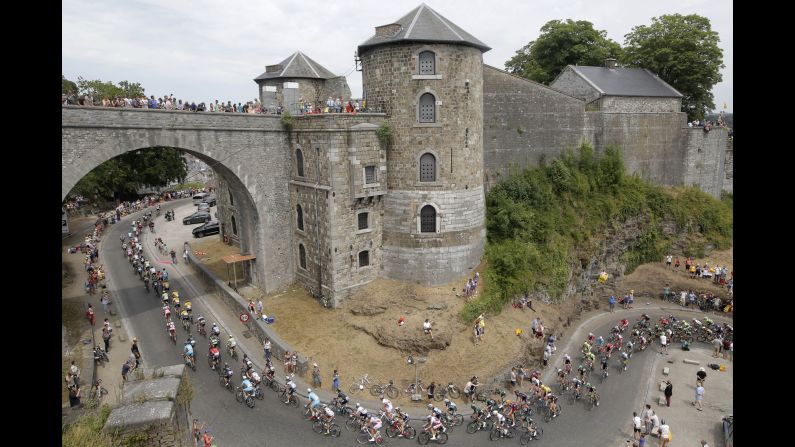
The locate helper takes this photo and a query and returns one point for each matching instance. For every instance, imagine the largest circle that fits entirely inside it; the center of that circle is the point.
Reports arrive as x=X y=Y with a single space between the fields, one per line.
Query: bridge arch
x=249 y=152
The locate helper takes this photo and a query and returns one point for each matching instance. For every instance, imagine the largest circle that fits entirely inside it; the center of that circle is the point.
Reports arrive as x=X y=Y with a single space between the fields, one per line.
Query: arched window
x=234 y=226
x=427 y=108
x=427 y=168
x=299 y=162
x=302 y=256
x=364 y=258
x=427 y=63
x=300 y=217
x=428 y=219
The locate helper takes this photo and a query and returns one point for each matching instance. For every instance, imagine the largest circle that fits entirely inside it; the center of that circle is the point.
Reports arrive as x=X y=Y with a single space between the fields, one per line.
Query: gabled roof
x=625 y=81
x=298 y=65
x=423 y=24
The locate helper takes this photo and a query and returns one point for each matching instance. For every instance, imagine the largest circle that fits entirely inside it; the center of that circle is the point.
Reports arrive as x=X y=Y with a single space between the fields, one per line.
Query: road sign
x=244 y=317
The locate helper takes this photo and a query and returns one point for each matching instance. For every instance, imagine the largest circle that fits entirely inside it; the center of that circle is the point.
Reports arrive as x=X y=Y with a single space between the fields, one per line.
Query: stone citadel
x=331 y=207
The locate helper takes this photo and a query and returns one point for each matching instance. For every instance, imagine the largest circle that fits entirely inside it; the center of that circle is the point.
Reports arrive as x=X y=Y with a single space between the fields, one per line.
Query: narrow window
x=234 y=226
x=427 y=63
x=363 y=221
x=364 y=258
x=231 y=199
x=427 y=108
x=428 y=219
x=369 y=174
x=302 y=256
x=299 y=161
x=300 y=217
x=427 y=168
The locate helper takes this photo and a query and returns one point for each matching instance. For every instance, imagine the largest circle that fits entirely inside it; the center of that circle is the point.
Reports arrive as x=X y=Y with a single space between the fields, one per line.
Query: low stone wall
x=257 y=327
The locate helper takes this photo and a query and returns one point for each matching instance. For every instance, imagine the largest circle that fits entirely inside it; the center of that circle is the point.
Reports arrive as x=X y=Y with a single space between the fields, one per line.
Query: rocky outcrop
x=406 y=339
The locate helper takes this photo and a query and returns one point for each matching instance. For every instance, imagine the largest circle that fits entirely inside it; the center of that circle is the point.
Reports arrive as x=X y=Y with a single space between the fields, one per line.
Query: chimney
x=387 y=30
x=611 y=63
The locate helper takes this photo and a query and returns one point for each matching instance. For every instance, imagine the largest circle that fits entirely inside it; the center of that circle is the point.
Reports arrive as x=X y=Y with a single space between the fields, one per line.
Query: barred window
x=369 y=174
x=299 y=161
x=300 y=217
x=427 y=108
x=427 y=63
x=428 y=219
x=364 y=258
x=363 y=221
x=427 y=168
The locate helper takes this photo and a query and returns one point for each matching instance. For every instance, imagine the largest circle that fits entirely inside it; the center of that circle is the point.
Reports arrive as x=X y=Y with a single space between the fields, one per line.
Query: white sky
x=202 y=50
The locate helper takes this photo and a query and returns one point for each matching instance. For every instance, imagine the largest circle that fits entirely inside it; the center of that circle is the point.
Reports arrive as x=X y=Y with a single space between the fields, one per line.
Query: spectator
x=74 y=396
x=647 y=414
x=335 y=382
x=426 y=327
x=266 y=346
x=75 y=372
x=90 y=314
x=125 y=369
x=316 y=380
x=431 y=388
x=669 y=391
x=665 y=434
x=699 y=397
x=135 y=351
x=701 y=375
x=612 y=302
x=636 y=423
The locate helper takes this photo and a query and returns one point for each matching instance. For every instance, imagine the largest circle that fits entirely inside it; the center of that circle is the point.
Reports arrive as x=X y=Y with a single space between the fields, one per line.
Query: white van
x=199 y=198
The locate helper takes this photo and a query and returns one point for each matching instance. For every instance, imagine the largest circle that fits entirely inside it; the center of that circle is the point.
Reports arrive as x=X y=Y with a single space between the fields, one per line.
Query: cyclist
x=499 y=422
x=592 y=394
x=512 y=407
x=643 y=342
x=167 y=312
x=255 y=378
x=478 y=415
x=164 y=297
x=230 y=345
x=215 y=330
x=387 y=407
x=247 y=363
x=600 y=342
x=327 y=418
x=624 y=360
x=189 y=352
x=452 y=408
x=185 y=318
x=248 y=388
x=402 y=419
x=215 y=356
x=567 y=363
x=577 y=387
x=361 y=411
x=586 y=348
x=562 y=378
x=553 y=405
x=146 y=283
x=227 y=373
x=200 y=325
x=608 y=350
x=434 y=424
x=589 y=359
x=271 y=372
x=591 y=337
x=289 y=388
x=342 y=399
x=629 y=347
x=188 y=307
x=172 y=330
x=435 y=410
x=604 y=367
x=175 y=301
x=314 y=401
x=373 y=425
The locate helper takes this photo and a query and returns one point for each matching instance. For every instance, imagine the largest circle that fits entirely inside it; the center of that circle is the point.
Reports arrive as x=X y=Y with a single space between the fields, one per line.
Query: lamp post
x=412 y=361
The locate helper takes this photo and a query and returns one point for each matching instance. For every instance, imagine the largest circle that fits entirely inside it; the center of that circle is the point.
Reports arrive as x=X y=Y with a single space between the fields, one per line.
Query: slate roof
x=625 y=81
x=423 y=24
x=298 y=65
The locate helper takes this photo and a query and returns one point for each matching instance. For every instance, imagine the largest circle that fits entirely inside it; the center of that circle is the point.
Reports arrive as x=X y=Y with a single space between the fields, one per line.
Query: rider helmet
x=309 y=390
x=494 y=412
x=430 y=407
x=447 y=401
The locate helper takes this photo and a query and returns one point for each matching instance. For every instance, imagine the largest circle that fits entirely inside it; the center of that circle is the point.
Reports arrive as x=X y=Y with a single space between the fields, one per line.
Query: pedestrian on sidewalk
x=251 y=307
x=266 y=346
x=173 y=256
x=513 y=378
x=259 y=307
x=106 y=331
x=699 y=397
x=663 y=344
x=286 y=362
x=75 y=371
x=642 y=441
x=90 y=314
x=185 y=257
x=431 y=388
x=701 y=375
x=293 y=362
x=635 y=425
x=74 y=396
x=612 y=303
x=655 y=423
x=335 y=383
x=647 y=413
x=136 y=352
x=665 y=434
x=669 y=391
x=717 y=343
x=316 y=380
x=125 y=369
x=105 y=300
x=545 y=357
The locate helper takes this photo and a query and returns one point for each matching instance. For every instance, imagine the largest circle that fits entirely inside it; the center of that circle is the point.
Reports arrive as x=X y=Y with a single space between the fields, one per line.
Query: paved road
x=272 y=424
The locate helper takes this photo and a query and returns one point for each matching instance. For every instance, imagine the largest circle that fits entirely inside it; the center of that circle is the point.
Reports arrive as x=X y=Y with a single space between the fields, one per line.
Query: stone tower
x=426 y=74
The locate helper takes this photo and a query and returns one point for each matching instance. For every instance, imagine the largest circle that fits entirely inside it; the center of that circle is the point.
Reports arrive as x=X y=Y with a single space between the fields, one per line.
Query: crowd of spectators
x=168 y=102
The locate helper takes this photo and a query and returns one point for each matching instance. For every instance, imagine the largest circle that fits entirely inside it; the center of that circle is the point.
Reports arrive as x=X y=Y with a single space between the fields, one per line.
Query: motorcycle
x=100 y=355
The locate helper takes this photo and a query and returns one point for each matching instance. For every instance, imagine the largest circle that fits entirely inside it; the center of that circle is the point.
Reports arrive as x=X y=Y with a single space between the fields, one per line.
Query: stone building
x=299 y=78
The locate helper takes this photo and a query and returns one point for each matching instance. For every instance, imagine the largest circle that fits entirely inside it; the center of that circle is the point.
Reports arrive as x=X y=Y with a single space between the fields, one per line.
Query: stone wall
x=573 y=84
x=728 y=168
x=639 y=104
x=525 y=121
x=705 y=153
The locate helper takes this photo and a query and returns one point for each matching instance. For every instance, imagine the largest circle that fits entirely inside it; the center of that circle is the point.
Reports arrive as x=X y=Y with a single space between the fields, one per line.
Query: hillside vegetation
x=542 y=220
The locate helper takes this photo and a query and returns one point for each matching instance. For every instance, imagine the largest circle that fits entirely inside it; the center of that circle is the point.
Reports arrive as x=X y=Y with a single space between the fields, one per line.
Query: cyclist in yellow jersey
x=188 y=307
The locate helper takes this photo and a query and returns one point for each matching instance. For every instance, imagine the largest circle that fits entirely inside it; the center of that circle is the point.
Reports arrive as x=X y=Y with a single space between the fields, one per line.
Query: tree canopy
x=99 y=89
x=122 y=176
x=68 y=87
x=683 y=51
x=562 y=43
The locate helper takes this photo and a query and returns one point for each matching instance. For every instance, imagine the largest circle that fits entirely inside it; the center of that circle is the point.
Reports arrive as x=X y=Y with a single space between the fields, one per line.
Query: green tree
x=68 y=87
x=562 y=43
x=122 y=176
x=99 y=89
x=683 y=51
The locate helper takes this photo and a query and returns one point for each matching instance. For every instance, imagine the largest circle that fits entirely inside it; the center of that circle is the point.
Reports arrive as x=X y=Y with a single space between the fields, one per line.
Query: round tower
x=426 y=74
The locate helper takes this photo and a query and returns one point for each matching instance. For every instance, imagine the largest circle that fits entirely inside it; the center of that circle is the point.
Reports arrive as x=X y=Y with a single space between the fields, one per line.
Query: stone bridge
x=249 y=152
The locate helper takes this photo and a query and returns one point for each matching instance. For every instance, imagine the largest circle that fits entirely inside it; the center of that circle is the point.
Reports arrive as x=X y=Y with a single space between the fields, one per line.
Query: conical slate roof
x=423 y=24
x=298 y=65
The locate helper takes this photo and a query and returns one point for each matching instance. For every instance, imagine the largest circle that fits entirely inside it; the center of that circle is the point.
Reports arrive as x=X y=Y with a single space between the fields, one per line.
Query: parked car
x=211 y=200
x=207 y=229
x=204 y=207
x=197 y=217
x=728 y=430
